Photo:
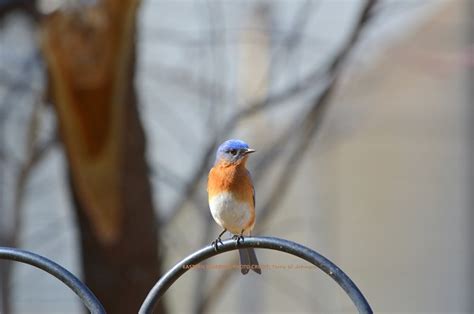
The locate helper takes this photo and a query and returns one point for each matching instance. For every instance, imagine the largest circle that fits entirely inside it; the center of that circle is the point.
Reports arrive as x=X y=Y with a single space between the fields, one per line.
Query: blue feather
x=223 y=150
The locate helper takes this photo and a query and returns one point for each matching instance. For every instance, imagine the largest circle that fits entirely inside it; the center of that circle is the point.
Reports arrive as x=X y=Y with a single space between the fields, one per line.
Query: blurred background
x=360 y=112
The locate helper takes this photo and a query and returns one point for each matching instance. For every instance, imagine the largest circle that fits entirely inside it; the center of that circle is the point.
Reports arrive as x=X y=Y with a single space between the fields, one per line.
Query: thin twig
x=279 y=98
x=308 y=129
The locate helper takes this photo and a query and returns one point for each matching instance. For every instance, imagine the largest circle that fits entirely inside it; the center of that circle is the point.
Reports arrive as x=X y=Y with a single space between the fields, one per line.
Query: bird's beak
x=249 y=151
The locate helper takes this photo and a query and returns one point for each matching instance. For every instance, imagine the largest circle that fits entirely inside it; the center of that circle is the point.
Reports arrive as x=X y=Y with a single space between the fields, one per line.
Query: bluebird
x=232 y=197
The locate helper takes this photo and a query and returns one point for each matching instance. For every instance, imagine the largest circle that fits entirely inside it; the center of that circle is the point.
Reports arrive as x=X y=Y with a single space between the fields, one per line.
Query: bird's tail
x=248 y=260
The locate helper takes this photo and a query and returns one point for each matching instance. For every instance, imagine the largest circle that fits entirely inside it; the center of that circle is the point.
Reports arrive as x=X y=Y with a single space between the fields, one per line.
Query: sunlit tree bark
x=90 y=54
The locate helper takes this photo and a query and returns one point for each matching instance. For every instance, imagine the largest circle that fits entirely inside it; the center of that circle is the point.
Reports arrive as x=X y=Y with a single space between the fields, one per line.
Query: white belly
x=230 y=213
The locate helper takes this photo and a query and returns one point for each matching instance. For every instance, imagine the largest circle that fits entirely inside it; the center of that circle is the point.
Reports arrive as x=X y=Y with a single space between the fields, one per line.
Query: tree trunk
x=121 y=274
x=90 y=54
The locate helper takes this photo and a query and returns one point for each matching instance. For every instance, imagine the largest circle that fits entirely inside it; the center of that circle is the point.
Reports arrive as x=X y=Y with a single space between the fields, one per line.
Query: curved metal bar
x=82 y=291
x=264 y=243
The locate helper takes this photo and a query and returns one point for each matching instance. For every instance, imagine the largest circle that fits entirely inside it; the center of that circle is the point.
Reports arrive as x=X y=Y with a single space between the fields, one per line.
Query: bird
x=231 y=196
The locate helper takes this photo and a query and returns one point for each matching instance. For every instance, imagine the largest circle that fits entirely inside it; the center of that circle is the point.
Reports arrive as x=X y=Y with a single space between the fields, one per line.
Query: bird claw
x=238 y=237
x=216 y=242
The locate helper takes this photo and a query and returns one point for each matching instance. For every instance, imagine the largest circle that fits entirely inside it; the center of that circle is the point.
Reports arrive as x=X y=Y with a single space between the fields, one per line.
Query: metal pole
x=263 y=243
x=84 y=293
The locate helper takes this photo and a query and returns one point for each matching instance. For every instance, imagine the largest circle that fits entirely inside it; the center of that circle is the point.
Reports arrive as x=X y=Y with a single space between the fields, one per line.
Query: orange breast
x=234 y=179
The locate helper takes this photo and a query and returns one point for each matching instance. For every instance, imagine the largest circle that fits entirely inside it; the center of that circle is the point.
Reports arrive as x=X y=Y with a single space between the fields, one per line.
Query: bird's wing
x=253 y=188
x=253 y=195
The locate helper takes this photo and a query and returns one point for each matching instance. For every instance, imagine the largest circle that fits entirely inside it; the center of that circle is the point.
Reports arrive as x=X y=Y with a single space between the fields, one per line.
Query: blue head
x=233 y=151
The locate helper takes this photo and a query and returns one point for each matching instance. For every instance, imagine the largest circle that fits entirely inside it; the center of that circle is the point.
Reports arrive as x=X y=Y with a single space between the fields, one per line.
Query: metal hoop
x=80 y=289
x=264 y=243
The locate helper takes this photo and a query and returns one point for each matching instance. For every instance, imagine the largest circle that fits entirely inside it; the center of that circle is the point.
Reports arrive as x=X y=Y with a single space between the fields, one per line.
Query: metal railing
x=272 y=243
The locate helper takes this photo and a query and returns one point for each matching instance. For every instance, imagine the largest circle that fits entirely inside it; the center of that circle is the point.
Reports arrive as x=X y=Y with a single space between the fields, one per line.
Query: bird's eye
x=233 y=152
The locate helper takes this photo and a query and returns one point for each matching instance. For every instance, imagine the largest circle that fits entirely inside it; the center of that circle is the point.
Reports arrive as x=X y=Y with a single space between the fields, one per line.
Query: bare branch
x=308 y=128
x=35 y=152
x=180 y=77
x=26 y=6
x=227 y=129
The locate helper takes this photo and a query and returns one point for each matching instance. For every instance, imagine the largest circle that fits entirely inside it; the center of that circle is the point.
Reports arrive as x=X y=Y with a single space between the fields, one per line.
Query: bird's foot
x=216 y=242
x=238 y=238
